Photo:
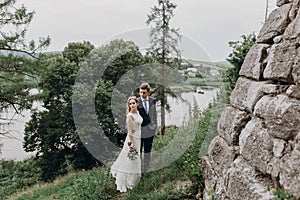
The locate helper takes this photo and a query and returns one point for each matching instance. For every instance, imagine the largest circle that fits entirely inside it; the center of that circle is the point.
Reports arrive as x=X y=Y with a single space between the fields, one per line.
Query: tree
x=118 y=65
x=236 y=58
x=19 y=68
x=51 y=133
x=164 y=40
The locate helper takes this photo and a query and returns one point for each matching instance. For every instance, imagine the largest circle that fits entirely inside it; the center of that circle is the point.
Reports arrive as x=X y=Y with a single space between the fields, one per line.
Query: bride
x=127 y=168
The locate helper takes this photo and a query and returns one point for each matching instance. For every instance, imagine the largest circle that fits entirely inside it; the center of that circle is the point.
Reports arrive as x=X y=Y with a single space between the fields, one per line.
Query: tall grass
x=92 y=184
x=16 y=176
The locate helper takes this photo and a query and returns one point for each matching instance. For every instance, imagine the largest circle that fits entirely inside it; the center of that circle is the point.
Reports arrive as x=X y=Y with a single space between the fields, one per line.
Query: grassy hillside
x=180 y=180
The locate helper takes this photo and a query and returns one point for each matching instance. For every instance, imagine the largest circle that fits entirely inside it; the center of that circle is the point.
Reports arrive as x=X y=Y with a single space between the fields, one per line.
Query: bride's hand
x=131 y=146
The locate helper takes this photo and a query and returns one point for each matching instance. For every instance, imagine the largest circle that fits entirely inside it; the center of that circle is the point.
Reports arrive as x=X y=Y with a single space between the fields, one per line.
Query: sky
x=208 y=24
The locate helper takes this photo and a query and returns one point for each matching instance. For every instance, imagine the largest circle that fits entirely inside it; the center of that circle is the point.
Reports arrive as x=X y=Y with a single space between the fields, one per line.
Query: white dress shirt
x=147 y=104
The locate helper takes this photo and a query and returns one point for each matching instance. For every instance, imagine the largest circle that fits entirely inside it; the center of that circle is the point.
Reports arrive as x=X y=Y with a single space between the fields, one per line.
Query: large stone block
x=210 y=177
x=293 y=29
x=246 y=94
x=212 y=181
x=243 y=182
x=281 y=61
x=231 y=123
x=289 y=176
x=275 y=25
x=253 y=63
x=256 y=145
x=221 y=155
x=280 y=115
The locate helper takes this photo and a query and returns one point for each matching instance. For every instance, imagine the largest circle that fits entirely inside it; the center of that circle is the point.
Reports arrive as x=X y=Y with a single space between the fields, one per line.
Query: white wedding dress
x=127 y=172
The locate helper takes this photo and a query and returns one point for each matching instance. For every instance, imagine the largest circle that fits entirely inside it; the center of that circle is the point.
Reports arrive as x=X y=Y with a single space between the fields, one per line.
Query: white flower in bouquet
x=132 y=153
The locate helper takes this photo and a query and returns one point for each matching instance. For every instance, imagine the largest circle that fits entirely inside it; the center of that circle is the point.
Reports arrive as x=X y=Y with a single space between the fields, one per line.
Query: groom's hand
x=152 y=126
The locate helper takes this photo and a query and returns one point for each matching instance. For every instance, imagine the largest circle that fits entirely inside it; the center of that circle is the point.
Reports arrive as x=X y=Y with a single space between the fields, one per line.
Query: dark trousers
x=146 y=144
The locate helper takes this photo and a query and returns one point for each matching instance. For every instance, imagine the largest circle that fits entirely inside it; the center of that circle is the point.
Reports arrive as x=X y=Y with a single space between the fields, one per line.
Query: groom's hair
x=145 y=86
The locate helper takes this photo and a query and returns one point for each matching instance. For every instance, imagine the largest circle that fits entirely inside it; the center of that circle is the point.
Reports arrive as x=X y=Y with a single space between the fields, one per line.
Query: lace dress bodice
x=137 y=121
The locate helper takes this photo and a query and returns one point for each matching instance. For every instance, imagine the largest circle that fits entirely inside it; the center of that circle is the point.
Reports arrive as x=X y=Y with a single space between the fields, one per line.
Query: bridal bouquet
x=132 y=153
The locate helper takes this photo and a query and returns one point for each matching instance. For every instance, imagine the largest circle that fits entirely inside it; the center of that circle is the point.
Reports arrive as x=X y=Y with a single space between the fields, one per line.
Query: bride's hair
x=128 y=106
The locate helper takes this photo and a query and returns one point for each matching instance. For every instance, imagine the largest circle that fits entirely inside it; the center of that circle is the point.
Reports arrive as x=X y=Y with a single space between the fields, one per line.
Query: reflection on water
x=12 y=147
x=180 y=109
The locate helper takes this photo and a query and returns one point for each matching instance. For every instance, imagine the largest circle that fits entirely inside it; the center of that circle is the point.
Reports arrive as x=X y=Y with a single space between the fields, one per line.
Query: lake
x=179 y=114
x=180 y=109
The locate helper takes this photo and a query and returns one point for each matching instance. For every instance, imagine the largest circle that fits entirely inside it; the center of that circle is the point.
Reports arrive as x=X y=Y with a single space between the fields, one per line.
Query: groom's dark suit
x=149 y=126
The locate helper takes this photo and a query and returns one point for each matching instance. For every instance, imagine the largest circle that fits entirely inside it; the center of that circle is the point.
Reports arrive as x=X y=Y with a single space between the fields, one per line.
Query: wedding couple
x=141 y=127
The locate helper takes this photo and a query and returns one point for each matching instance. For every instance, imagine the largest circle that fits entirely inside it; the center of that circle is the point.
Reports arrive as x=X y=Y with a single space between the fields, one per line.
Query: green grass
x=92 y=184
x=16 y=176
x=283 y=194
x=161 y=184
x=98 y=184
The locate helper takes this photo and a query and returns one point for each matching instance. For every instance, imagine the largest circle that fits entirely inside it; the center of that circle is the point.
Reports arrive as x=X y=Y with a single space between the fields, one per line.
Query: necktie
x=145 y=105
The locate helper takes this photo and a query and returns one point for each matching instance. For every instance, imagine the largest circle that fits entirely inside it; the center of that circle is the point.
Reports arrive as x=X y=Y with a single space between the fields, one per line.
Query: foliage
x=120 y=57
x=77 y=52
x=283 y=194
x=14 y=22
x=51 y=133
x=164 y=39
x=19 y=67
x=161 y=142
x=93 y=184
x=236 y=58
x=213 y=195
x=163 y=47
x=16 y=176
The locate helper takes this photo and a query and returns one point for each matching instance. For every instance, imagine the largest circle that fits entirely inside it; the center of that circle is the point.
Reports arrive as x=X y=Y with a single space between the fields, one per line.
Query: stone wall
x=258 y=146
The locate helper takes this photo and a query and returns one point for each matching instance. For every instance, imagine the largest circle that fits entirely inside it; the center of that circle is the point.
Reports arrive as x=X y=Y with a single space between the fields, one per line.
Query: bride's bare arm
x=130 y=129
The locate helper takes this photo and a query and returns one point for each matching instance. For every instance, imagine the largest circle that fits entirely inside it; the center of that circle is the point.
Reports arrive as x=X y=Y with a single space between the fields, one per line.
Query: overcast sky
x=211 y=24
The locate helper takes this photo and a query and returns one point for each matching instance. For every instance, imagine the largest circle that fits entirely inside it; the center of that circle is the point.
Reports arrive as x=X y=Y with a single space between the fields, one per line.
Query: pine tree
x=18 y=58
x=164 y=41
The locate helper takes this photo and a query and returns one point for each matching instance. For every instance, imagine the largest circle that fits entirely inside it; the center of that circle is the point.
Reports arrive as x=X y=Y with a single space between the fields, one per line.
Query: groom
x=147 y=109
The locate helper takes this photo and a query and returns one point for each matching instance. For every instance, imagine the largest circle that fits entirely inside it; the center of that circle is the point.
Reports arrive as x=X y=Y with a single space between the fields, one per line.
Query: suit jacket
x=150 y=119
